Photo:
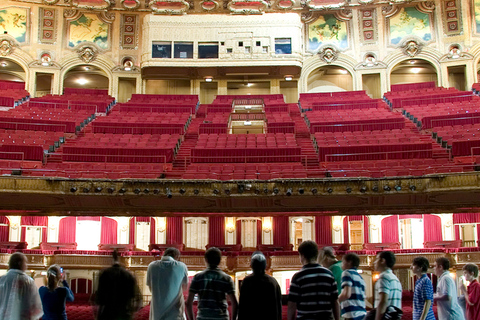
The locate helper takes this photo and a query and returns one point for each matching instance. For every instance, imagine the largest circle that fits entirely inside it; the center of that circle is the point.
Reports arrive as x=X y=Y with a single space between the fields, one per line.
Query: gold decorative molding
x=169 y=6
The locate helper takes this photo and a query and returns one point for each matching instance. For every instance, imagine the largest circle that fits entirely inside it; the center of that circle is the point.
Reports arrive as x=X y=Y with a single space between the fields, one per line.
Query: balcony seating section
x=412 y=86
x=245 y=171
x=476 y=88
x=464 y=140
x=371 y=145
x=109 y=147
x=402 y=99
x=280 y=122
x=121 y=122
x=161 y=103
x=346 y=120
x=12 y=93
x=271 y=147
x=336 y=101
x=224 y=107
x=26 y=144
x=215 y=122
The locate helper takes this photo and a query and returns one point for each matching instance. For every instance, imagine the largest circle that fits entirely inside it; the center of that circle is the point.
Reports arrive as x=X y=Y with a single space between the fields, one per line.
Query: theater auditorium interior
x=241 y=124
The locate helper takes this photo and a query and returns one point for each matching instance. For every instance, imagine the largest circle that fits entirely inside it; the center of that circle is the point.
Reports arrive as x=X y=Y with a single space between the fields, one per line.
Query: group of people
x=324 y=288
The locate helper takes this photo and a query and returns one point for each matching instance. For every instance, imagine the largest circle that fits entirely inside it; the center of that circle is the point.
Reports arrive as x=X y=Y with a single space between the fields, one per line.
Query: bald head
x=18 y=261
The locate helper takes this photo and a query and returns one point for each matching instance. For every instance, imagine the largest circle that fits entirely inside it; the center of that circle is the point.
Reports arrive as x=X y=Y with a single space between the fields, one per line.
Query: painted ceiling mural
x=88 y=27
x=14 y=21
x=327 y=29
x=476 y=4
x=407 y=22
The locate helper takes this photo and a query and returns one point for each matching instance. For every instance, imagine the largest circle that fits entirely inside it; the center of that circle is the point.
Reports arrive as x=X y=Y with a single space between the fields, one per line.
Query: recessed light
x=288 y=78
x=82 y=81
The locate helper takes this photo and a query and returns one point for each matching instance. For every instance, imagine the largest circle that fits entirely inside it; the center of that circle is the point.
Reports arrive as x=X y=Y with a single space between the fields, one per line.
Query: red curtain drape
x=457 y=232
x=466 y=218
x=4 y=230
x=366 y=230
x=131 y=229
x=34 y=221
x=390 y=229
x=259 y=232
x=174 y=230
x=67 y=230
x=432 y=228
x=238 y=229
x=280 y=231
x=88 y=218
x=216 y=231
x=108 y=234
x=323 y=230
x=346 y=230
x=153 y=230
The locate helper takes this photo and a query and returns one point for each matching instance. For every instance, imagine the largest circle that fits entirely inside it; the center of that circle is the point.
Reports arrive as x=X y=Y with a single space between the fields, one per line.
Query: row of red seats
x=399 y=99
x=93 y=103
x=137 y=107
x=412 y=86
x=164 y=98
x=83 y=91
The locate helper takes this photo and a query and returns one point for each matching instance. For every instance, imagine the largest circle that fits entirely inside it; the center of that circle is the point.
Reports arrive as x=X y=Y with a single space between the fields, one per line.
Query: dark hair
x=329 y=252
x=444 y=262
x=172 y=252
x=213 y=256
x=472 y=268
x=309 y=250
x=421 y=262
x=53 y=275
x=389 y=257
x=353 y=258
x=115 y=256
x=258 y=263
x=16 y=261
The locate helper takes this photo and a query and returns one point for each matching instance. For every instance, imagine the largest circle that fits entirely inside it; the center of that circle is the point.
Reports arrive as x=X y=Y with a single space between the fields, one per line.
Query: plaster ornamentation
x=412 y=48
x=365 y=1
x=105 y=4
x=169 y=6
x=87 y=54
x=312 y=4
x=130 y=4
x=284 y=4
x=6 y=47
x=50 y=2
x=209 y=5
x=47 y=31
x=247 y=6
x=70 y=13
x=108 y=16
x=328 y=54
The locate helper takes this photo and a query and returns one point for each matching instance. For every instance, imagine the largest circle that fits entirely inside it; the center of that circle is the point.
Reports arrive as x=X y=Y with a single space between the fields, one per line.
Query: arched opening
x=11 y=71
x=413 y=71
x=329 y=79
x=86 y=77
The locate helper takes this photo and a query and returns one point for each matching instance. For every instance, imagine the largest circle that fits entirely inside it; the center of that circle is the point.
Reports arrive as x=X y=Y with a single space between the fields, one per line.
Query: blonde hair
x=53 y=275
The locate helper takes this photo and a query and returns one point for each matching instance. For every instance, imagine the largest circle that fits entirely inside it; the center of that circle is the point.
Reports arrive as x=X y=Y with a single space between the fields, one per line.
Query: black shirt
x=260 y=298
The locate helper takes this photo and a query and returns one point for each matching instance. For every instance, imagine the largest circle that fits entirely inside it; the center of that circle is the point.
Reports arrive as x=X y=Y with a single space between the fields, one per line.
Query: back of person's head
x=472 y=268
x=422 y=263
x=328 y=252
x=18 y=261
x=444 y=262
x=309 y=250
x=258 y=263
x=353 y=259
x=53 y=275
x=115 y=257
x=172 y=252
x=389 y=257
x=213 y=256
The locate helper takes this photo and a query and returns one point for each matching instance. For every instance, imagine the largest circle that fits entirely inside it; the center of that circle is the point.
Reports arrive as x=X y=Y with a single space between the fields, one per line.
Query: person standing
x=213 y=286
x=167 y=279
x=446 y=295
x=118 y=295
x=472 y=293
x=313 y=290
x=54 y=297
x=352 y=298
x=328 y=260
x=19 y=298
x=260 y=294
x=388 y=290
x=423 y=293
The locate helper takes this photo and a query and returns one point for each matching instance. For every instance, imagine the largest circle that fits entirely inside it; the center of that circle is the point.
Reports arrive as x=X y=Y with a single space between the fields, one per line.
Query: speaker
x=16 y=172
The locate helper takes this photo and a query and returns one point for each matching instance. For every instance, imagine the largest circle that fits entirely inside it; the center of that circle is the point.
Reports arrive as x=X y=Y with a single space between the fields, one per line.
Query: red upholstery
x=162 y=247
x=233 y=247
x=58 y=246
x=119 y=247
x=382 y=246
x=13 y=245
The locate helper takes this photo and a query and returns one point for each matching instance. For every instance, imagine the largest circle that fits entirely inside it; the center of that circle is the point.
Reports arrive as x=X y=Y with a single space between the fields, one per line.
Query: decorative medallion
x=6 y=47
x=412 y=48
x=50 y=2
x=87 y=53
x=325 y=5
x=284 y=4
x=70 y=13
x=130 y=4
x=247 y=6
x=47 y=25
x=368 y=25
x=328 y=54
x=451 y=20
x=209 y=5
x=128 y=31
x=92 y=5
x=169 y=6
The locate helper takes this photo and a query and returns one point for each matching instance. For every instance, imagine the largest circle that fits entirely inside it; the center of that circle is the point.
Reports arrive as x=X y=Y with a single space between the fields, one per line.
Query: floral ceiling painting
x=327 y=29
x=88 y=27
x=476 y=5
x=410 y=22
x=14 y=22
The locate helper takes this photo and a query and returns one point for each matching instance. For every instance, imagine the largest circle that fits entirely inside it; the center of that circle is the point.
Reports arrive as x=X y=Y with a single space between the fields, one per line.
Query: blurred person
x=118 y=295
x=446 y=295
x=167 y=279
x=423 y=293
x=472 y=293
x=313 y=290
x=260 y=294
x=19 y=298
x=352 y=298
x=213 y=286
x=54 y=297
x=328 y=260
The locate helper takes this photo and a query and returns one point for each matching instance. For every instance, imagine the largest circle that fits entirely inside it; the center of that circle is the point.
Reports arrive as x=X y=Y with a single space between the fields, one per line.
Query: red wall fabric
x=457 y=232
x=131 y=229
x=153 y=231
x=216 y=231
x=432 y=228
x=280 y=231
x=366 y=230
x=346 y=230
x=390 y=229
x=108 y=234
x=4 y=230
x=259 y=232
x=323 y=230
x=34 y=221
x=67 y=230
x=88 y=218
x=238 y=229
x=174 y=230
x=466 y=218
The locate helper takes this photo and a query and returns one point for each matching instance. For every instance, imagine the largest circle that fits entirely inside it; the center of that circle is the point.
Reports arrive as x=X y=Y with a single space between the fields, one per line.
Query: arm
x=346 y=293
x=444 y=297
x=292 y=310
x=382 y=306
x=189 y=305
x=69 y=296
x=336 y=310
x=426 y=308
x=233 y=300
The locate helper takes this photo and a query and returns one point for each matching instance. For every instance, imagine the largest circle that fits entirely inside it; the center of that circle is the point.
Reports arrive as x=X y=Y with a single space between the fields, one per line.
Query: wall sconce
x=208 y=79
x=127 y=64
x=230 y=227
x=267 y=225
x=374 y=227
x=46 y=60
x=162 y=225
x=288 y=78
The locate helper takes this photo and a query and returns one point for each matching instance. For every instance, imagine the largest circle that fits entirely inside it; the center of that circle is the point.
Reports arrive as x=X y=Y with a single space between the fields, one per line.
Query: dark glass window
x=161 y=50
x=183 y=50
x=283 y=45
x=208 y=50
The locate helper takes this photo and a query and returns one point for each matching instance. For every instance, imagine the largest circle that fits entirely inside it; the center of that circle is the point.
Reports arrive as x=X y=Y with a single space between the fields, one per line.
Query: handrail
x=106 y=156
x=432 y=99
x=386 y=153
x=17 y=152
x=66 y=105
x=453 y=119
x=34 y=124
x=400 y=122
x=180 y=129
x=246 y=159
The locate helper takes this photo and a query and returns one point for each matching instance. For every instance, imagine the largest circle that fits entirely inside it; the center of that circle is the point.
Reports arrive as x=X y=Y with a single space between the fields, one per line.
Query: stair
x=304 y=141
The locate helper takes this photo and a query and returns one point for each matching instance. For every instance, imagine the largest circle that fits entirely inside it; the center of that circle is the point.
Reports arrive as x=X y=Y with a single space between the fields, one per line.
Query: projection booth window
x=161 y=49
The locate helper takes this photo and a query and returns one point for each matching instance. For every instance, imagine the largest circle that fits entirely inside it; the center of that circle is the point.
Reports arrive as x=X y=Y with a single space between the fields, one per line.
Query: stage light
x=156 y=191
x=137 y=191
x=276 y=191
x=413 y=188
x=363 y=189
x=349 y=190
x=73 y=189
x=196 y=191
x=111 y=190
x=329 y=190
x=182 y=191
x=146 y=191
x=122 y=190
x=168 y=192
x=386 y=188
x=398 y=187
x=375 y=188
x=265 y=190
x=240 y=188
x=314 y=190
x=216 y=191
x=227 y=192
x=289 y=192
x=86 y=190
x=301 y=191
x=257 y=191
x=98 y=189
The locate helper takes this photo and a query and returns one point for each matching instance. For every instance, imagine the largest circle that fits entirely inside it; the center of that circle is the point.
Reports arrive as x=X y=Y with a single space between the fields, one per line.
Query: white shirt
x=448 y=310
x=19 y=298
x=165 y=279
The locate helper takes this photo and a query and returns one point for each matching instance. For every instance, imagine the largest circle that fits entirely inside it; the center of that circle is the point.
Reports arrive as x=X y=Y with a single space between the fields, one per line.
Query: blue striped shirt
x=423 y=292
x=354 y=306
x=388 y=283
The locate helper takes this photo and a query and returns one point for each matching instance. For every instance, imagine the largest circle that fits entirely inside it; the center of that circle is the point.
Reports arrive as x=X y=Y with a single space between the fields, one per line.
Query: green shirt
x=336 y=269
